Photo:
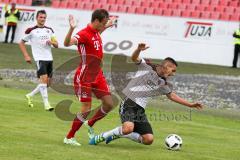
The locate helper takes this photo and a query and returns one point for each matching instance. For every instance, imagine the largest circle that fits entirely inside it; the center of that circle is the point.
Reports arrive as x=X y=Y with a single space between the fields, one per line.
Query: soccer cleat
x=29 y=100
x=48 y=107
x=71 y=141
x=111 y=138
x=96 y=139
x=90 y=130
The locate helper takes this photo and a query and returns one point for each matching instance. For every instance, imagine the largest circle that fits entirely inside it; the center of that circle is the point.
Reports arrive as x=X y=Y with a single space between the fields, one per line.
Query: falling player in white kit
x=41 y=39
x=149 y=81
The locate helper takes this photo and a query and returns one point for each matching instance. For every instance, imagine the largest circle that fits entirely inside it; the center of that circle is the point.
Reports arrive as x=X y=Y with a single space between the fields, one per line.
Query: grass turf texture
x=32 y=133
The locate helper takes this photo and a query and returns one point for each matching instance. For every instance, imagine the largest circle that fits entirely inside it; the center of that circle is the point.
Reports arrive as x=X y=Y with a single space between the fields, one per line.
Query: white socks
x=35 y=91
x=136 y=137
x=44 y=93
x=116 y=131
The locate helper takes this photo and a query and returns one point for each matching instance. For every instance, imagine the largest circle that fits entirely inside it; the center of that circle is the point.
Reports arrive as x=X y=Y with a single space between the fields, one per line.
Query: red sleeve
x=80 y=37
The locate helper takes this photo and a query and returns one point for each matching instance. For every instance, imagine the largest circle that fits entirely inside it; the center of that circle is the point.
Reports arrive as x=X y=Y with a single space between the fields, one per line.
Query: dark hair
x=41 y=12
x=99 y=14
x=171 y=60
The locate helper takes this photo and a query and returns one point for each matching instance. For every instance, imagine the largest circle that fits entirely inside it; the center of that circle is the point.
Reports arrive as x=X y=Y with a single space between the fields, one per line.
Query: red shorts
x=83 y=89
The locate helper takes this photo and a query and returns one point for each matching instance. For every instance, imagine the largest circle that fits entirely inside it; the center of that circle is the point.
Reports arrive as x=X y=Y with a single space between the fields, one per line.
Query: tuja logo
x=198 y=29
x=27 y=15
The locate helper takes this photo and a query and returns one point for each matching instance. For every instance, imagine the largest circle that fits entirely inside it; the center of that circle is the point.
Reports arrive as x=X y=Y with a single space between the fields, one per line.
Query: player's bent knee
x=127 y=128
x=147 y=139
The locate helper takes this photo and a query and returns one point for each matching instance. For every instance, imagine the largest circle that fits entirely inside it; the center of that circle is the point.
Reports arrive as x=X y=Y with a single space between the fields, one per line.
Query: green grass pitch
x=32 y=133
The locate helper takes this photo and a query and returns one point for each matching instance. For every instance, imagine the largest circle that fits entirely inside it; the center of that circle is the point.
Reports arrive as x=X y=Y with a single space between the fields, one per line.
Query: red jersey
x=91 y=52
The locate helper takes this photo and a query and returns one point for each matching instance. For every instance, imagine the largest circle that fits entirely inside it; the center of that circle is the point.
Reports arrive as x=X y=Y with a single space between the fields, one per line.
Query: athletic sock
x=35 y=91
x=97 y=116
x=134 y=136
x=44 y=93
x=76 y=124
x=116 y=131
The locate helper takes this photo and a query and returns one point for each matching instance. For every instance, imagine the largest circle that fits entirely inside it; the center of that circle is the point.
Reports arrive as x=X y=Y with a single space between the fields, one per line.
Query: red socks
x=76 y=124
x=97 y=116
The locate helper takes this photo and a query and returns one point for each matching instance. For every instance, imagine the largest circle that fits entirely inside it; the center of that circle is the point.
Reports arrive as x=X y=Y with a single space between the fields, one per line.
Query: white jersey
x=38 y=37
x=145 y=85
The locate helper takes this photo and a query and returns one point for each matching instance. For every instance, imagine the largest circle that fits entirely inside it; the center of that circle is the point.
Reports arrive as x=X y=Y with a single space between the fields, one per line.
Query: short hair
x=99 y=14
x=41 y=12
x=171 y=60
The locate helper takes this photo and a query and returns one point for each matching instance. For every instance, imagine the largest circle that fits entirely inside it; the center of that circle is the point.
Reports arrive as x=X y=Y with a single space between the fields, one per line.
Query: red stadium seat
x=201 y=8
x=80 y=5
x=72 y=4
x=210 y=8
x=195 y=14
x=215 y=15
x=196 y=2
x=131 y=9
x=182 y=6
x=205 y=2
x=63 y=4
x=146 y=4
x=186 y=13
x=28 y=2
x=167 y=12
x=137 y=3
x=224 y=2
x=205 y=15
x=112 y=1
x=129 y=2
x=230 y=10
x=186 y=1
x=168 y=1
x=97 y=6
x=113 y=8
x=149 y=11
x=177 y=13
x=173 y=6
x=122 y=8
x=224 y=16
x=20 y=1
x=140 y=10
x=191 y=7
x=121 y=2
x=107 y=7
x=235 y=17
x=163 y=5
x=157 y=11
x=220 y=8
x=55 y=3
x=214 y=2
x=234 y=3
x=177 y=1
x=88 y=6
x=155 y=4
x=96 y=1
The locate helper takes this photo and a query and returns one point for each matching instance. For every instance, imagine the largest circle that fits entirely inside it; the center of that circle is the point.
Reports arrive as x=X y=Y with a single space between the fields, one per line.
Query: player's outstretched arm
x=69 y=40
x=174 y=97
x=136 y=53
x=24 y=52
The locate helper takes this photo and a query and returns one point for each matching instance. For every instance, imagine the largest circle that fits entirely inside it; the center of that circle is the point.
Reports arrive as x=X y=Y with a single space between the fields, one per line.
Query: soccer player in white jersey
x=149 y=81
x=41 y=38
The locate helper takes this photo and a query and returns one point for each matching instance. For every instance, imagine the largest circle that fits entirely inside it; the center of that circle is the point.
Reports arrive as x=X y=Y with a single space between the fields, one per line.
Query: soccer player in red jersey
x=89 y=77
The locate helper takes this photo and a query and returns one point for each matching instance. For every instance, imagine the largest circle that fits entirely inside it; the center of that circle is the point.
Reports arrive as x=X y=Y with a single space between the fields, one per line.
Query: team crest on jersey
x=84 y=95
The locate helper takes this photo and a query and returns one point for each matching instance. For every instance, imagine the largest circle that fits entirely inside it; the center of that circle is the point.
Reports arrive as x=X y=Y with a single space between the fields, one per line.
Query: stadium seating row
x=228 y=10
x=206 y=9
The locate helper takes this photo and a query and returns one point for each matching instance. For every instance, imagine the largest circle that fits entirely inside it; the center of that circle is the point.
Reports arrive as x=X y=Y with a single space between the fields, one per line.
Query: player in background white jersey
x=149 y=81
x=41 y=38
